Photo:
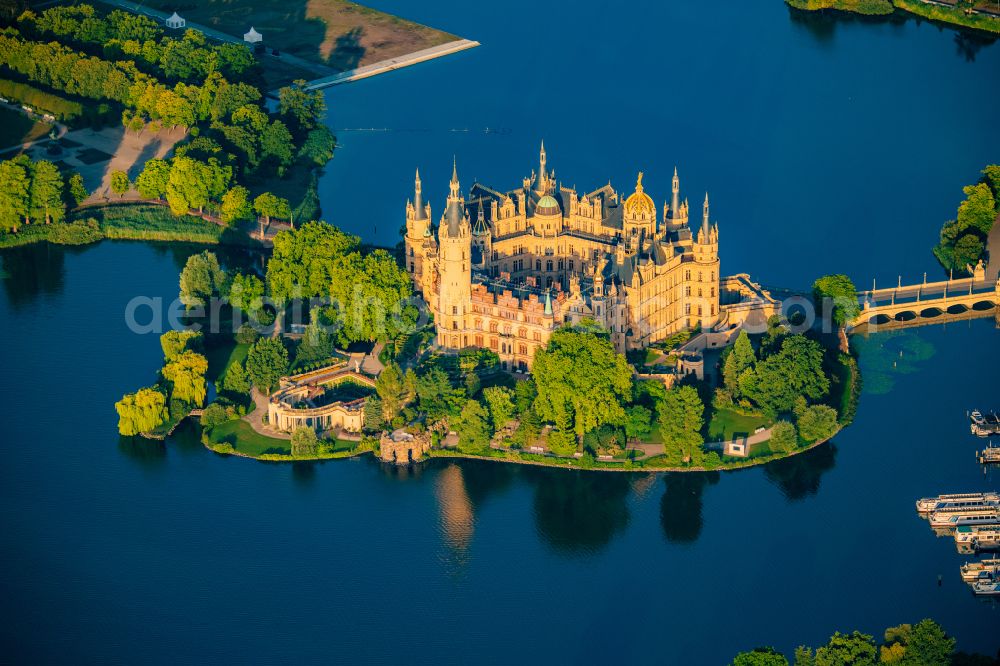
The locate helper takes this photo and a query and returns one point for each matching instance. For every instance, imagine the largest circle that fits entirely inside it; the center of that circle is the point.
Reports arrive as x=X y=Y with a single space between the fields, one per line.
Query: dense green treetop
x=46 y=192
x=267 y=361
x=186 y=374
x=304 y=260
x=246 y=292
x=681 y=416
x=796 y=370
x=760 y=657
x=500 y=401
x=739 y=359
x=14 y=201
x=581 y=381
x=201 y=279
x=473 y=428
x=142 y=411
x=175 y=343
x=856 y=649
x=843 y=294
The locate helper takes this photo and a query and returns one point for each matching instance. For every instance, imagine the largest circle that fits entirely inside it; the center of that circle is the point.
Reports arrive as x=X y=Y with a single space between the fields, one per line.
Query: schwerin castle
x=505 y=269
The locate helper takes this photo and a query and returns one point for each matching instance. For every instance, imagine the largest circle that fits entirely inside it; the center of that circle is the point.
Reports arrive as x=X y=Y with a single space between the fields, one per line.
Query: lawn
x=246 y=440
x=726 y=424
x=17 y=128
x=221 y=356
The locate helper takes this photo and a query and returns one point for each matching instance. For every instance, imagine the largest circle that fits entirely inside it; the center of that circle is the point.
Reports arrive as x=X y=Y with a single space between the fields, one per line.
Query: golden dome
x=639 y=203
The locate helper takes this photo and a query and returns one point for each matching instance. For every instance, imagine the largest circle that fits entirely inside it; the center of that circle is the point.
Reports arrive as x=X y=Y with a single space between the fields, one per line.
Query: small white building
x=253 y=37
x=175 y=22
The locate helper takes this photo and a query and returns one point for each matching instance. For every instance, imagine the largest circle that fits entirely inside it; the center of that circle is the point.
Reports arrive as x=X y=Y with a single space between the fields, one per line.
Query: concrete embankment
x=384 y=66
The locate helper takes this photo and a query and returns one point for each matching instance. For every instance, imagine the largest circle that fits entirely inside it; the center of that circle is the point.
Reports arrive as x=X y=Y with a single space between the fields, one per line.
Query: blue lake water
x=838 y=147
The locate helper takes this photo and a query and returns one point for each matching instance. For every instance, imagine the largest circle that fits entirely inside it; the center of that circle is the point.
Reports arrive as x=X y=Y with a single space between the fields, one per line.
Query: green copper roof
x=547 y=202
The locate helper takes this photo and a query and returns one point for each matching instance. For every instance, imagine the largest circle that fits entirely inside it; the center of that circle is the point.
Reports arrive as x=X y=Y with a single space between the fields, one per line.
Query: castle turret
x=706 y=275
x=454 y=268
x=540 y=184
x=418 y=230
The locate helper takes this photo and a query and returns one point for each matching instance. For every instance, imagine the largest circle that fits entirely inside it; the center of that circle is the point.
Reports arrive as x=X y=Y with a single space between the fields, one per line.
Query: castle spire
x=455 y=212
x=675 y=201
x=540 y=182
x=548 y=303
x=418 y=199
x=704 y=214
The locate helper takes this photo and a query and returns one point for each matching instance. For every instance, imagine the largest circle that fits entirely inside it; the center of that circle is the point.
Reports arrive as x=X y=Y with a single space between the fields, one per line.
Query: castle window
x=454 y=325
x=687 y=290
x=699 y=310
x=537 y=336
x=548 y=265
x=479 y=341
x=548 y=280
x=699 y=276
x=560 y=264
x=598 y=311
x=493 y=327
x=699 y=292
x=713 y=310
x=506 y=330
x=493 y=344
x=713 y=292
x=538 y=264
x=571 y=264
x=522 y=349
x=687 y=308
x=522 y=333
x=411 y=266
x=687 y=275
x=496 y=255
x=454 y=310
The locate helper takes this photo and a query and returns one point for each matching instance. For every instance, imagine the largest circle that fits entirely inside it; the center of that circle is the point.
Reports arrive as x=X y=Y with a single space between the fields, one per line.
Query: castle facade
x=503 y=269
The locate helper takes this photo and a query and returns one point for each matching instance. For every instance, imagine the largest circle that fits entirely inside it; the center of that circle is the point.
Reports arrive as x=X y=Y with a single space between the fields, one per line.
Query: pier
x=389 y=65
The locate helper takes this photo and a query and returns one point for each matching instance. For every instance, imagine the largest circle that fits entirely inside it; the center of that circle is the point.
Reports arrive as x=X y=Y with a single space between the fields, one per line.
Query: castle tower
x=706 y=274
x=418 y=230
x=454 y=268
x=639 y=215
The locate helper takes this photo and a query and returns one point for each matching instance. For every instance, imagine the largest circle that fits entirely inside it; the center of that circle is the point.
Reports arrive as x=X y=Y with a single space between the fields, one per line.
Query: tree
x=437 y=396
x=201 y=279
x=246 y=292
x=318 y=147
x=581 y=380
x=46 y=192
x=142 y=411
x=763 y=656
x=525 y=393
x=305 y=107
x=856 y=649
x=14 y=200
x=186 y=374
x=393 y=390
x=77 y=189
x=739 y=359
x=152 y=182
x=189 y=185
x=991 y=176
x=175 y=343
x=681 y=418
x=784 y=439
x=374 y=421
x=500 y=401
x=638 y=423
x=235 y=205
x=473 y=428
x=268 y=205
x=120 y=183
x=215 y=414
x=267 y=361
x=236 y=380
x=370 y=295
x=304 y=442
x=923 y=644
x=796 y=370
x=804 y=656
x=305 y=260
x=978 y=211
x=818 y=422
x=841 y=293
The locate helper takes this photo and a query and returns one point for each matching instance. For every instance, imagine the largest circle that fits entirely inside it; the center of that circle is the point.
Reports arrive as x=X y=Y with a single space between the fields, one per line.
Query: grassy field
x=16 y=128
x=220 y=357
x=245 y=439
x=338 y=33
x=725 y=424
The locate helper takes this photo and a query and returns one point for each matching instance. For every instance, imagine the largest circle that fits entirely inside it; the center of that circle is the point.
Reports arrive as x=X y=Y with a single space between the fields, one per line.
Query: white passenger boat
x=978 y=537
x=986 y=569
x=987 y=589
x=968 y=500
x=985 y=516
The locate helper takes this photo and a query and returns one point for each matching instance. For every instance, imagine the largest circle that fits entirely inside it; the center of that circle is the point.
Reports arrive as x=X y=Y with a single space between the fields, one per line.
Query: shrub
x=246 y=335
x=817 y=422
x=80 y=232
x=215 y=414
x=783 y=437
